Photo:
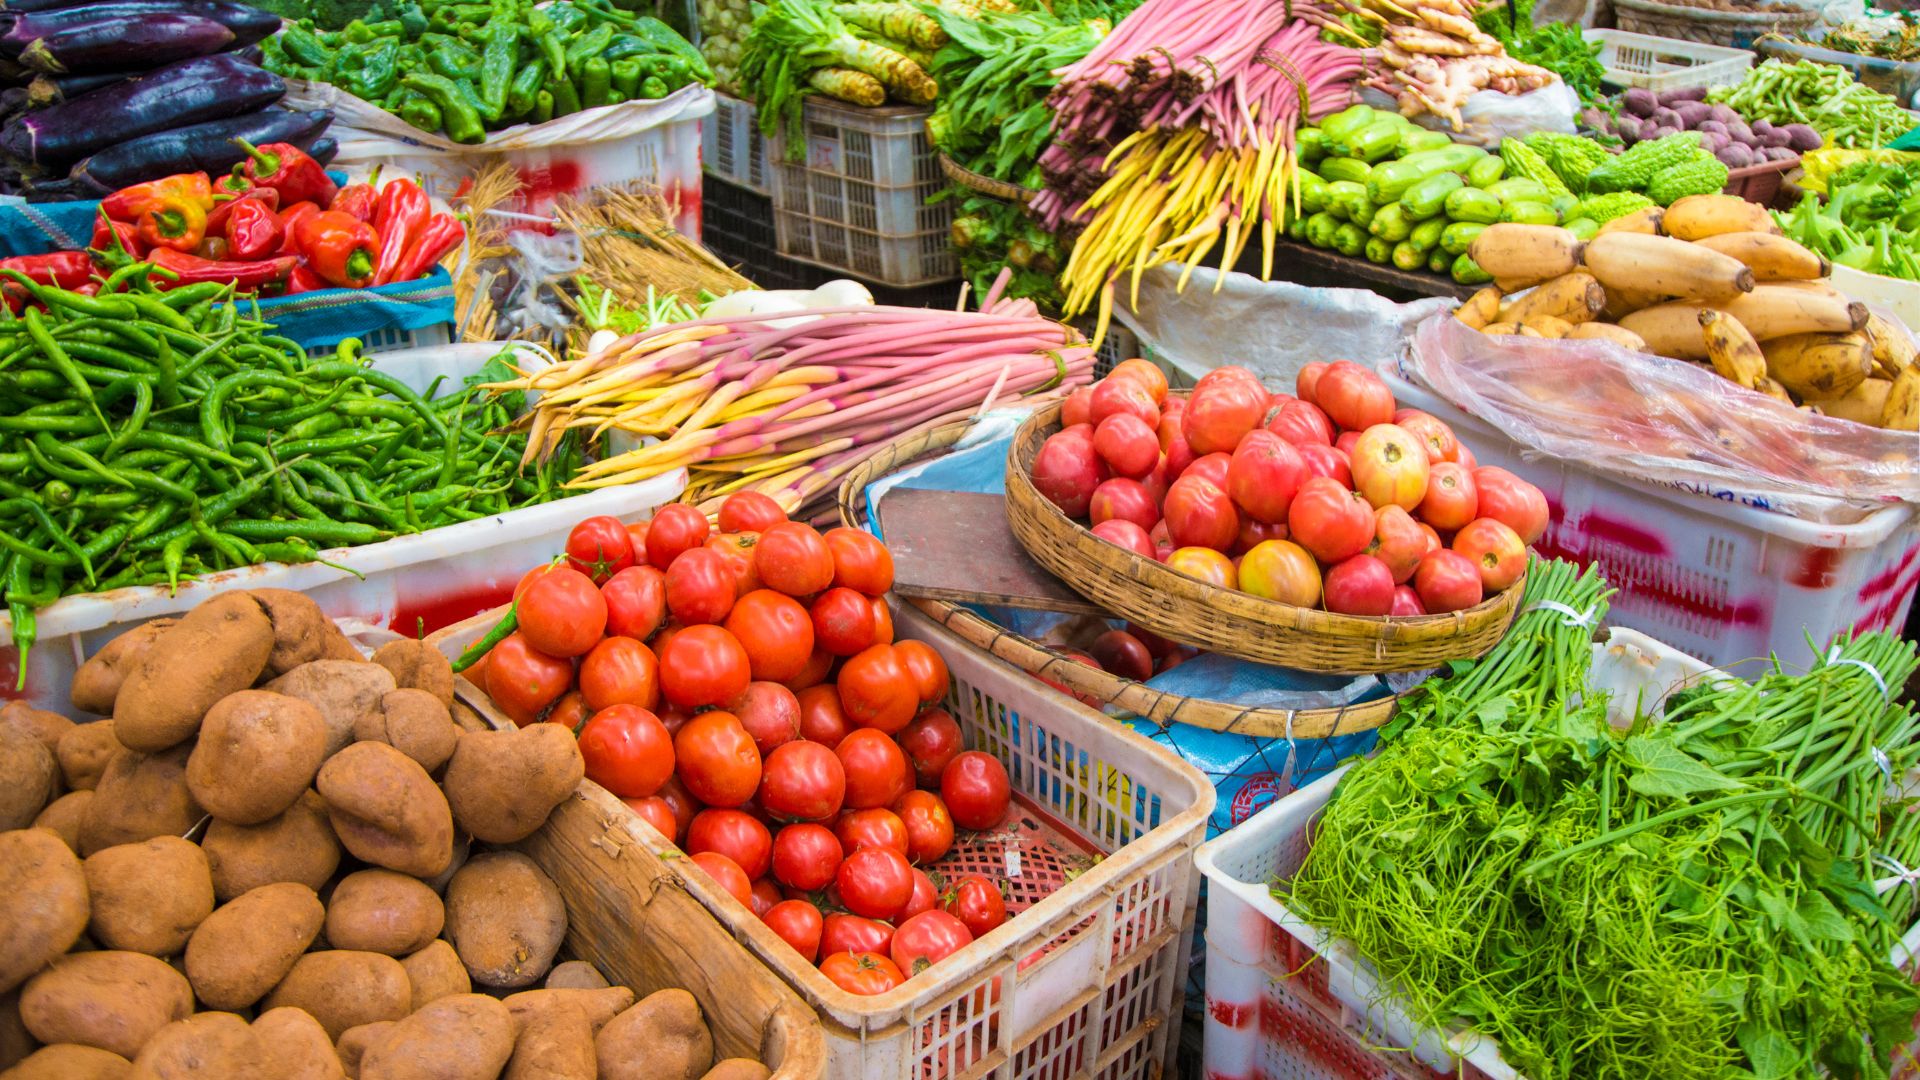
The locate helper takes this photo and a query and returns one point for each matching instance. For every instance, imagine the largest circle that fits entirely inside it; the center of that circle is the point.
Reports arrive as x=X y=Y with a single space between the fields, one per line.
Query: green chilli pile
x=1714 y=895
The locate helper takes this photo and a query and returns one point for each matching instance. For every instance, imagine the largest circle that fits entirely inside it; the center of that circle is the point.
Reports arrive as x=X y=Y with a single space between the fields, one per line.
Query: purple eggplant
x=189 y=92
x=324 y=149
x=207 y=147
x=49 y=90
x=19 y=29
x=114 y=44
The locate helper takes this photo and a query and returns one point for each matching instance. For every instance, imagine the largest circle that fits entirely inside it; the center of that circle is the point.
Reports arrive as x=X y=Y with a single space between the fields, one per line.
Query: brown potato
x=298 y=634
x=554 y=1045
x=345 y=989
x=576 y=975
x=44 y=910
x=299 y=845
x=343 y=691
x=109 y=999
x=248 y=945
x=598 y=1006
x=384 y=912
x=386 y=809
x=436 y=972
x=356 y=1041
x=218 y=648
x=412 y=722
x=45 y=726
x=663 y=1037
x=465 y=1037
x=205 y=1044
x=29 y=778
x=64 y=816
x=148 y=897
x=98 y=681
x=256 y=753
x=140 y=796
x=503 y=784
x=85 y=752
x=739 y=1069
x=419 y=666
x=71 y=1061
x=505 y=919
x=293 y=1046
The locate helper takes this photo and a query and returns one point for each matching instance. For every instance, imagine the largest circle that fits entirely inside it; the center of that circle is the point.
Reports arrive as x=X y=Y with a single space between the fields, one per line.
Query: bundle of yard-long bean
x=786 y=404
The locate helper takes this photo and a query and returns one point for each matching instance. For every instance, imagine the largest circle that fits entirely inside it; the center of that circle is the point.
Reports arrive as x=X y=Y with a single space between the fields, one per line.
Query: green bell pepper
x=418 y=110
x=453 y=62
x=654 y=87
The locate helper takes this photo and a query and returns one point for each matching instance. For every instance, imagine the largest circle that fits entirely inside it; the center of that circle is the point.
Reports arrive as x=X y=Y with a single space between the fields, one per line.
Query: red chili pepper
x=441 y=234
x=127 y=203
x=217 y=220
x=246 y=276
x=402 y=213
x=303 y=280
x=289 y=170
x=61 y=269
x=357 y=201
x=253 y=230
x=110 y=235
x=340 y=248
x=290 y=219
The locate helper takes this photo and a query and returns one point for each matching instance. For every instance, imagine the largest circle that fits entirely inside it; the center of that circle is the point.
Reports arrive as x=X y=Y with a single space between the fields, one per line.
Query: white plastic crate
x=395 y=340
x=1086 y=978
x=1286 y=1001
x=409 y=583
x=1719 y=580
x=732 y=148
x=1658 y=63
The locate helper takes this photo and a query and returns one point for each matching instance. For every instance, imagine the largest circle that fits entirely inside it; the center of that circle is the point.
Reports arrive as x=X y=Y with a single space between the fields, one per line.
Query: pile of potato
x=332 y=920
x=1708 y=279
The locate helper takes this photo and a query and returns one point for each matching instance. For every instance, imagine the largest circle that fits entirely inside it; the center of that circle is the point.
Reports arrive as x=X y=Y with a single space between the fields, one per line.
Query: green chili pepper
x=462 y=119
x=596 y=83
x=590 y=44
x=303 y=48
x=566 y=100
x=522 y=92
x=626 y=77
x=496 y=68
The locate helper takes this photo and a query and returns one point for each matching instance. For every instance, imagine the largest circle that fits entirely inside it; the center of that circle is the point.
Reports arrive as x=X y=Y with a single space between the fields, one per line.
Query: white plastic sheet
x=1489 y=115
x=365 y=130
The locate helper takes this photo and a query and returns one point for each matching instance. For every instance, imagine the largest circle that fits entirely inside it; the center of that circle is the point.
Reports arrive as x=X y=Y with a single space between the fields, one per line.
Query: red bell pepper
x=234 y=183
x=245 y=276
x=68 y=270
x=217 y=220
x=289 y=170
x=128 y=203
x=175 y=223
x=358 y=200
x=252 y=230
x=303 y=280
x=441 y=234
x=290 y=219
x=402 y=213
x=110 y=235
x=339 y=248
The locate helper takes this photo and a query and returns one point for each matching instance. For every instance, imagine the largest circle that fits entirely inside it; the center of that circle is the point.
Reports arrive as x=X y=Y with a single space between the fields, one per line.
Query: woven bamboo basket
x=1183 y=608
x=1092 y=683
x=1738 y=29
x=985 y=185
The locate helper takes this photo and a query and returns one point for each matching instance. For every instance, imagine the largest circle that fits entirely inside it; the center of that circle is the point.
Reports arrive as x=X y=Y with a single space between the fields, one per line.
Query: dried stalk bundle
x=475 y=266
x=628 y=244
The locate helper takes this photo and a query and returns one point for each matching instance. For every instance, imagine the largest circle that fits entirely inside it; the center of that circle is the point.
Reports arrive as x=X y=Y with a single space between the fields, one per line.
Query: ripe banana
x=1519 y=256
x=1662 y=264
x=1698 y=216
x=1819 y=367
x=1500 y=329
x=1903 y=401
x=1731 y=349
x=1821 y=287
x=1670 y=329
x=1864 y=404
x=1573 y=298
x=1551 y=326
x=1528 y=331
x=1772 y=311
x=1623 y=302
x=1644 y=220
x=1893 y=350
x=1599 y=331
x=1480 y=308
x=1773 y=389
x=1773 y=258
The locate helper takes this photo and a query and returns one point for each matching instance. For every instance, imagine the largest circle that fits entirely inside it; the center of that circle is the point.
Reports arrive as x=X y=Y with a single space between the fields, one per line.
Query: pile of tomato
x=742 y=691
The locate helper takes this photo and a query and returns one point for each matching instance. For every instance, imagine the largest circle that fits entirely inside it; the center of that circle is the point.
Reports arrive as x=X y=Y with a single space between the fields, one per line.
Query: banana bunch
x=1710 y=280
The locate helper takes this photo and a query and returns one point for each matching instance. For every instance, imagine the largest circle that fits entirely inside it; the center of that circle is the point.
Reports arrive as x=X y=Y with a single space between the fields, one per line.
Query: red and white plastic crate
x=1286 y=1001
x=1719 y=581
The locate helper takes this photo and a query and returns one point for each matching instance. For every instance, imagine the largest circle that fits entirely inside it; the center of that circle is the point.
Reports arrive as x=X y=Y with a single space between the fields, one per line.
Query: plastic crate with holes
x=732 y=148
x=856 y=200
x=1657 y=63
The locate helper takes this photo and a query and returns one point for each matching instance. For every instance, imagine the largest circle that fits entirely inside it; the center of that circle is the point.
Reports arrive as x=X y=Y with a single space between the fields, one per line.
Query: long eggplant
x=189 y=92
x=205 y=147
x=21 y=28
x=105 y=46
x=67 y=87
x=324 y=149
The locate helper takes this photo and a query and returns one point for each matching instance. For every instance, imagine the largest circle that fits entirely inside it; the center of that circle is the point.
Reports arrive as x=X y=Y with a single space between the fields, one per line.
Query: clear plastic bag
x=1489 y=115
x=1666 y=422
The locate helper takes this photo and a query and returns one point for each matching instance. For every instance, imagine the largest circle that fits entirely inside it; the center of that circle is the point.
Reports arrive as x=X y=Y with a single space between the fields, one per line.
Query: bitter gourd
x=1703 y=175
x=1571 y=157
x=1633 y=170
x=1601 y=209
x=1523 y=160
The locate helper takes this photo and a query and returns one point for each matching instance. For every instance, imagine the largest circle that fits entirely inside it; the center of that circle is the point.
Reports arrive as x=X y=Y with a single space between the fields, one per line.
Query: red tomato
x=974 y=786
x=627 y=751
x=865 y=974
x=737 y=835
x=1128 y=444
x=821 y=718
x=1199 y=513
x=1353 y=397
x=700 y=587
x=842 y=621
x=770 y=713
x=1308 y=381
x=727 y=874
x=655 y=812
x=776 y=632
x=1508 y=499
x=1495 y=550
x=681 y=802
x=1122 y=499
x=562 y=613
x=819 y=666
x=672 y=717
x=851 y=933
x=929 y=826
x=925 y=896
x=882 y=622
x=1361 y=585
x=1330 y=521
x=1115 y=397
x=675 y=529
x=766 y=893
x=1263 y=475
x=702 y=665
x=1452 y=498
x=620 y=671
x=1123 y=654
x=1282 y=570
x=1302 y=424
x=737 y=549
x=749 y=511
x=1219 y=413
x=1125 y=534
x=797 y=922
x=1398 y=541
x=930 y=741
x=794 y=559
x=876 y=689
x=1146 y=373
x=929 y=671
x=858 y=829
x=1206 y=564
x=1077 y=408
x=877 y=773
x=522 y=680
x=1432 y=433
x=802 y=781
x=875 y=882
x=637 y=537
x=928 y=938
x=805 y=856
x=1390 y=467
x=717 y=760
x=860 y=561
x=1447 y=581
x=976 y=901
x=1213 y=468
x=636 y=602
x=570 y=711
x=599 y=547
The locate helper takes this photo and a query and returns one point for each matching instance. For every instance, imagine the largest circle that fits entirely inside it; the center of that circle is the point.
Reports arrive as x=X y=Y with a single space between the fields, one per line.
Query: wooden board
x=1362 y=272
x=955 y=546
